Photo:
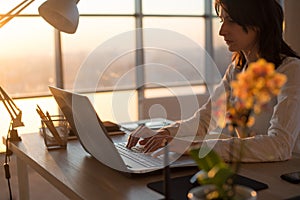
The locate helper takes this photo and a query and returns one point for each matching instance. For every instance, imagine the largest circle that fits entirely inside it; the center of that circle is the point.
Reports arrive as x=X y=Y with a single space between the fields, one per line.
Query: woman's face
x=235 y=36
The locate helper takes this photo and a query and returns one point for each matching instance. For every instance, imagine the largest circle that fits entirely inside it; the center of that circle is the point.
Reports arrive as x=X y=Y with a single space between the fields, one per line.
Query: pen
x=49 y=123
x=54 y=131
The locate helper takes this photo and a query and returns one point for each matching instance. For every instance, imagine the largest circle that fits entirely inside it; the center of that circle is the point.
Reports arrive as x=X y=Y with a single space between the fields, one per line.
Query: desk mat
x=294 y=198
x=180 y=186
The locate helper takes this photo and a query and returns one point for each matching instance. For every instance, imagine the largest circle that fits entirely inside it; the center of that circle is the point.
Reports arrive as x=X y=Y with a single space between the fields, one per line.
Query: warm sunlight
x=28 y=47
x=102 y=102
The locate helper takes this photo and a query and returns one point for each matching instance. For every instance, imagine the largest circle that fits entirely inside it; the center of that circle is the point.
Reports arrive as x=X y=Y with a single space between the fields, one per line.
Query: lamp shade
x=61 y=14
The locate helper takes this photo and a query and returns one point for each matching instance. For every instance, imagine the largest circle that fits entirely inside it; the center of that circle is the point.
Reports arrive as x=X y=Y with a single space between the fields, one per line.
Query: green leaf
x=220 y=174
x=207 y=162
x=213 y=169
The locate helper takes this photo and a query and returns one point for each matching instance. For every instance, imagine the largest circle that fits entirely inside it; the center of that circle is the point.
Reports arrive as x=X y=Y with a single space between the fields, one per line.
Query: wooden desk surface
x=80 y=176
x=269 y=173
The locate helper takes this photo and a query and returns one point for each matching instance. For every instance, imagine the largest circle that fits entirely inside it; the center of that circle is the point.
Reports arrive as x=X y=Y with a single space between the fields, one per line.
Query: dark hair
x=267 y=16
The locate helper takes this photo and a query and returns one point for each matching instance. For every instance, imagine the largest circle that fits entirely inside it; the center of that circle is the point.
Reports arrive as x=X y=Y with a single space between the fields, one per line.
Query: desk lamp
x=15 y=114
x=61 y=14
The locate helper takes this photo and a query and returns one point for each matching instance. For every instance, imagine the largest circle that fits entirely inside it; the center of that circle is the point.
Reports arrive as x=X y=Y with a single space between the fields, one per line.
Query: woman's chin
x=232 y=49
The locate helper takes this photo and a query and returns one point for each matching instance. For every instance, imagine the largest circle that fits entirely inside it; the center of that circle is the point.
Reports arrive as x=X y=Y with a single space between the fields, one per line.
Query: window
x=33 y=55
x=173 y=7
x=26 y=58
x=96 y=40
x=27 y=53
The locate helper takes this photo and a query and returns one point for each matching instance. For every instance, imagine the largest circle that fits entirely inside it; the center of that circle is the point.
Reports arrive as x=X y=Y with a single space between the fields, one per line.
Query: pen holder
x=57 y=138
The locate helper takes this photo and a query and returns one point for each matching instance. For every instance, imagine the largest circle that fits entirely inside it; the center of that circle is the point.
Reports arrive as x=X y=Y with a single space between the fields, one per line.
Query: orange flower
x=258 y=84
x=253 y=89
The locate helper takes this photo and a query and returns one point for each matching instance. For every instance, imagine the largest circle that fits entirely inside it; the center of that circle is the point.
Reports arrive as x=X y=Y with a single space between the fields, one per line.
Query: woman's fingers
x=132 y=141
x=140 y=132
x=144 y=141
x=161 y=132
x=134 y=137
x=156 y=142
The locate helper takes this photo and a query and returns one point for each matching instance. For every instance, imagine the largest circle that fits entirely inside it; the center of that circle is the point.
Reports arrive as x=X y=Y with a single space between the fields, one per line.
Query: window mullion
x=140 y=71
x=58 y=60
x=208 y=42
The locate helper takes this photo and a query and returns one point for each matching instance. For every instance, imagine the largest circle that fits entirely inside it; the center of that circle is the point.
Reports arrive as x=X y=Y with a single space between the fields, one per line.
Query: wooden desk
x=79 y=176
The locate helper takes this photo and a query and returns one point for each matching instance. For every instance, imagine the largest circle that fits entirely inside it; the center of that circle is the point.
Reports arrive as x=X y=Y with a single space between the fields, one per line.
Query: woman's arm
x=203 y=120
x=278 y=143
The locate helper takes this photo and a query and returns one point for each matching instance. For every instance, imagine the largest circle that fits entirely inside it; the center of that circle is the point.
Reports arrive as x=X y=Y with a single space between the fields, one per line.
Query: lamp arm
x=10 y=106
x=8 y=16
x=8 y=109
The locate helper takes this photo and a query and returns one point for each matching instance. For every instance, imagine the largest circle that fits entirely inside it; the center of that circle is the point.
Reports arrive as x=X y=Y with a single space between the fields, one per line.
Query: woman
x=252 y=29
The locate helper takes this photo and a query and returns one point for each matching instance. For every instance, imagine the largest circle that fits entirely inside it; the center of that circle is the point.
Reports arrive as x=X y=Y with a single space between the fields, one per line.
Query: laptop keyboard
x=136 y=155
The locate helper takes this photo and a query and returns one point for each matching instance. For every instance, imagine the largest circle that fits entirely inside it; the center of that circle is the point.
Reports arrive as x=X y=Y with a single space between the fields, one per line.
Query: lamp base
x=13 y=135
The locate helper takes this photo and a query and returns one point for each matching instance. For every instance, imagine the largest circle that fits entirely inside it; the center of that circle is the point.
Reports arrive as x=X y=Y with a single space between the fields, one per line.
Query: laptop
x=94 y=138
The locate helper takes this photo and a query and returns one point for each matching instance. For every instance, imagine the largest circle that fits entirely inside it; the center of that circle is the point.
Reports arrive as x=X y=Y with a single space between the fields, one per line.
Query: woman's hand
x=157 y=141
x=154 y=141
x=150 y=139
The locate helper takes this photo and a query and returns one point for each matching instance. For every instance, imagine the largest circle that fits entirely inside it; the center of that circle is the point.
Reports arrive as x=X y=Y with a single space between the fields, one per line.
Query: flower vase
x=202 y=193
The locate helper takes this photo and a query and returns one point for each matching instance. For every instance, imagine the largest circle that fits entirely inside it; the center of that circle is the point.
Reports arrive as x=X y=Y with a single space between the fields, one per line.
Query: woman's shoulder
x=290 y=64
x=291 y=68
x=233 y=68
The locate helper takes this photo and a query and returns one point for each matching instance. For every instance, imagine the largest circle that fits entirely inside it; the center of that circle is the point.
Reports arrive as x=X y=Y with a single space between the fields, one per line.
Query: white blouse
x=276 y=128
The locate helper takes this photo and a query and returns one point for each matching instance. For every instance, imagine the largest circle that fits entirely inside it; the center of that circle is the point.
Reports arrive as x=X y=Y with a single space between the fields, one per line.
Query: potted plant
x=251 y=90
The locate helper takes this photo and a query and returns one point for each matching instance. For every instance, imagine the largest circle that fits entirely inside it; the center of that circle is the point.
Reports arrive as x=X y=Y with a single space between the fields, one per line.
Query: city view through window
x=28 y=52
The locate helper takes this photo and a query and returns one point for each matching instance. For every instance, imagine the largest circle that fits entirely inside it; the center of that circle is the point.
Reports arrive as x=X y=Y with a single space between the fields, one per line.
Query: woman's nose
x=222 y=30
